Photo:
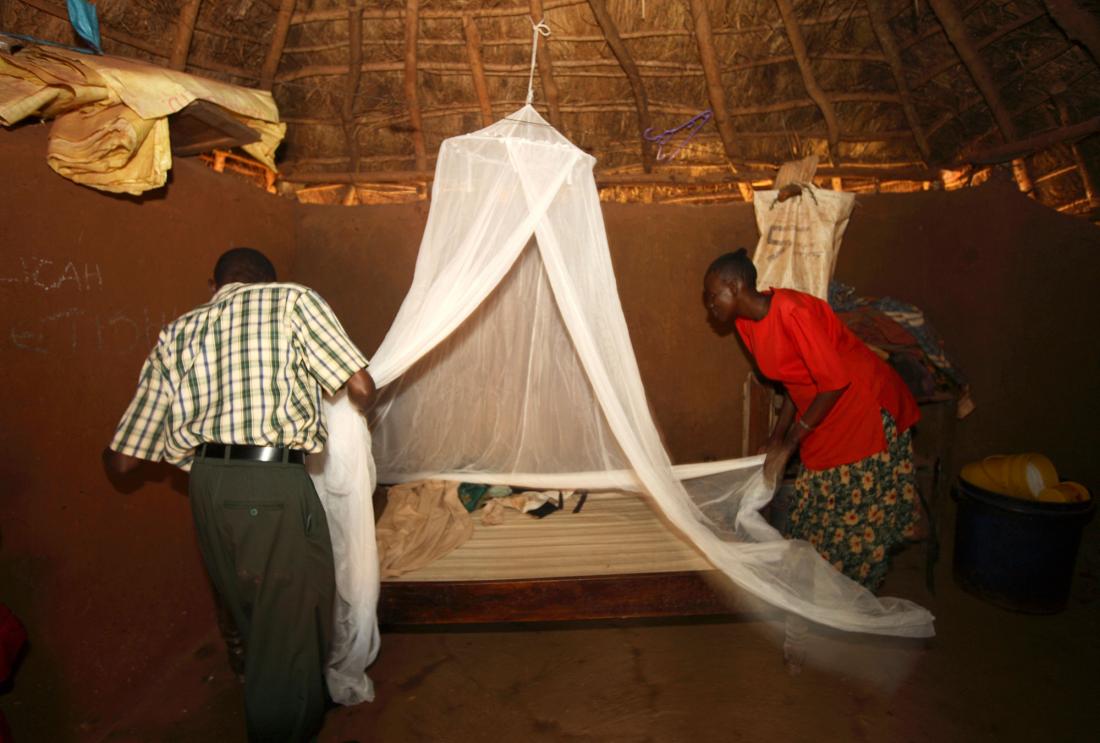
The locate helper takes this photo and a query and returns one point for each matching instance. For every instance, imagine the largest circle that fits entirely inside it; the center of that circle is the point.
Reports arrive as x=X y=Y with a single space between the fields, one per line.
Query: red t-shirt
x=803 y=345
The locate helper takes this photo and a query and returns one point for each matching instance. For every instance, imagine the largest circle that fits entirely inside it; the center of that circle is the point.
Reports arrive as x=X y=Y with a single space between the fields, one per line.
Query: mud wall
x=362 y=258
x=1009 y=284
x=107 y=577
x=109 y=583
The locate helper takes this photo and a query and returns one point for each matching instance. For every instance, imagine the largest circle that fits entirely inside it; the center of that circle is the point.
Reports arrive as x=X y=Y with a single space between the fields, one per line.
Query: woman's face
x=718 y=297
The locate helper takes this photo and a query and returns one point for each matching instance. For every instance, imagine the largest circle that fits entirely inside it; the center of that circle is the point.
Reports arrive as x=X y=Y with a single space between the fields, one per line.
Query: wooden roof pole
x=880 y=23
x=278 y=40
x=604 y=179
x=546 y=69
x=1018 y=148
x=412 y=27
x=955 y=28
x=802 y=57
x=704 y=39
x=189 y=13
x=715 y=92
x=1078 y=158
x=477 y=68
x=618 y=48
x=351 y=89
x=1079 y=25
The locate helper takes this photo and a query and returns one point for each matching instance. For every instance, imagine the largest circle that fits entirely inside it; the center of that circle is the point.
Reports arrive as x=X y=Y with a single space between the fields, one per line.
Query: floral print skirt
x=856 y=514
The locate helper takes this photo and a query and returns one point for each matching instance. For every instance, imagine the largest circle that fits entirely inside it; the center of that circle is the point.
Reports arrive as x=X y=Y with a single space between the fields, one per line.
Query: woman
x=844 y=409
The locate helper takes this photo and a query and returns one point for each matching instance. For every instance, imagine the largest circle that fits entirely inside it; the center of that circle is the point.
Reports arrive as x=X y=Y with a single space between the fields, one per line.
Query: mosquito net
x=510 y=361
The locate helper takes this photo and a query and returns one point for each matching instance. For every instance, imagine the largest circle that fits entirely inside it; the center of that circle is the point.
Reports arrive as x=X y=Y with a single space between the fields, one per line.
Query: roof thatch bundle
x=889 y=94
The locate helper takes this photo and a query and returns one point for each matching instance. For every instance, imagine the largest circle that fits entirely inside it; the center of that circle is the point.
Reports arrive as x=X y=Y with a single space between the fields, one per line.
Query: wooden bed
x=615 y=558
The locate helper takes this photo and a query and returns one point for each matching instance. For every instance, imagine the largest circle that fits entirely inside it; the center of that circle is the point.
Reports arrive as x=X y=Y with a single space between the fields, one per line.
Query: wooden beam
x=928 y=75
x=477 y=68
x=935 y=29
x=624 y=179
x=1019 y=148
x=618 y=48
x=546 y=68
x=185 y=28
x=412 y=27
x=612 y=106
x=798 y=44
x=105 y=29
x=320 y=16
x=1079 y=25
x=973 y=101
x=955 y=28
x=278 y=40
x=715 y=91
x=1079 y=160
x=351 y=89
x=880 y=24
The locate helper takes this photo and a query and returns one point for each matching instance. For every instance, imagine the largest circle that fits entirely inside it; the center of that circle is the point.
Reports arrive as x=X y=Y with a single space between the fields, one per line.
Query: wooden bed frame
x=600 y=562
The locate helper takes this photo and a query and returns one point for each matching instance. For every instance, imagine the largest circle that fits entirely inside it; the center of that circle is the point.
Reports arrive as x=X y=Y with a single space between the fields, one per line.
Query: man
x=232 y=392
x=856 y=486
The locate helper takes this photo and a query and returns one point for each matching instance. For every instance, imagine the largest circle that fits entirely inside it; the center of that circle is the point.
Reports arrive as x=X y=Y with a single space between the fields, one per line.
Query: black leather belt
x=251 y=453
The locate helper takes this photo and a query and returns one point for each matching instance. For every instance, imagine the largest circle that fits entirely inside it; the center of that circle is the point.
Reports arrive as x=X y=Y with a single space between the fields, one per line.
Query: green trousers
x=265 y=541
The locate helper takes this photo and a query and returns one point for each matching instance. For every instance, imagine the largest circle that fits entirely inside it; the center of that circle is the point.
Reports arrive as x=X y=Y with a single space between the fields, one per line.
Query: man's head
x=243 y=265
x=729 y=278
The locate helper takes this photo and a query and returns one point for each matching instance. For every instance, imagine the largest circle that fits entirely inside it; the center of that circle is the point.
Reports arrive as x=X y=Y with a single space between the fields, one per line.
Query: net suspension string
x=537 y=29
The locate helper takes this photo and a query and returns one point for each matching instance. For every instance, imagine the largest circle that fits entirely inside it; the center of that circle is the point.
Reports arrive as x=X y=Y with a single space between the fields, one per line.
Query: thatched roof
x=915 y=93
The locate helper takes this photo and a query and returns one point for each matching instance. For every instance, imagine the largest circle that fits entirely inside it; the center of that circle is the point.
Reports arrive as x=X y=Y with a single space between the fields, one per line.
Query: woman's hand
x=775 y=463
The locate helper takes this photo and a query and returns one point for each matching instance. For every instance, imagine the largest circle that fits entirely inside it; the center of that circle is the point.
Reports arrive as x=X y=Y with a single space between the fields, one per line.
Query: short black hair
x=245 y=265
x=734 y=266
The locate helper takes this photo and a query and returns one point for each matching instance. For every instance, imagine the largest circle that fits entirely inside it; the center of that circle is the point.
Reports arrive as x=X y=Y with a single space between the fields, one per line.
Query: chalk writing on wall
x=50 y=275
x=73 y=330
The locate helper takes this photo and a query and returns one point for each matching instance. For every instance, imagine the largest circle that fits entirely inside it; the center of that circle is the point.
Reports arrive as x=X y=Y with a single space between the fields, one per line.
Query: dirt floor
x=989 y=674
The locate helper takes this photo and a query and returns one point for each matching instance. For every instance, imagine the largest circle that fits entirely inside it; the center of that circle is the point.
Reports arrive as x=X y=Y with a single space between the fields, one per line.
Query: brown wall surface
x=109 y=584
x=1008 y=283
x=361 y=259
x=1012 y=287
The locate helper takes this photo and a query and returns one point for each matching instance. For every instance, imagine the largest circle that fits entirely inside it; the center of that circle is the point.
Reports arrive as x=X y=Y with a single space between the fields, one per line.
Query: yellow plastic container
x=1019 y=475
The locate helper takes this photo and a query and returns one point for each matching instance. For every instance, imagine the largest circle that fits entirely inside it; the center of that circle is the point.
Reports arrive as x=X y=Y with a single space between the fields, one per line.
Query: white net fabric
x=510 y=361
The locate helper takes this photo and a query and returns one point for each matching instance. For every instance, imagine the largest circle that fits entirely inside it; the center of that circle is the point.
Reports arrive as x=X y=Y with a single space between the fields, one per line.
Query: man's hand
x=361 y=390
x=118 y=463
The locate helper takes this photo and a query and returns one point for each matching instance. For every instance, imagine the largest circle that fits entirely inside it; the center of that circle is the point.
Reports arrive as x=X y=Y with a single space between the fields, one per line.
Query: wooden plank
x=626 y=61
x=278 y=40
x=202 y=127
x=556 y=599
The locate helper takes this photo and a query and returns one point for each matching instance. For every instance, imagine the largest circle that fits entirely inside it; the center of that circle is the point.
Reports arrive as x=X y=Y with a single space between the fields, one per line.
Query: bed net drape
x=510 y=362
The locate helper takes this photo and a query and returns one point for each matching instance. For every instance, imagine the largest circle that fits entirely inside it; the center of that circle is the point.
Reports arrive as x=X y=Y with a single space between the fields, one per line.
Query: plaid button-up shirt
x=249 y=367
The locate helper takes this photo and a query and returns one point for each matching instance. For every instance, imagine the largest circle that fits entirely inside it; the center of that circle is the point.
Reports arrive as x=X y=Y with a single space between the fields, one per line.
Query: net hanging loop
x=537 y=29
